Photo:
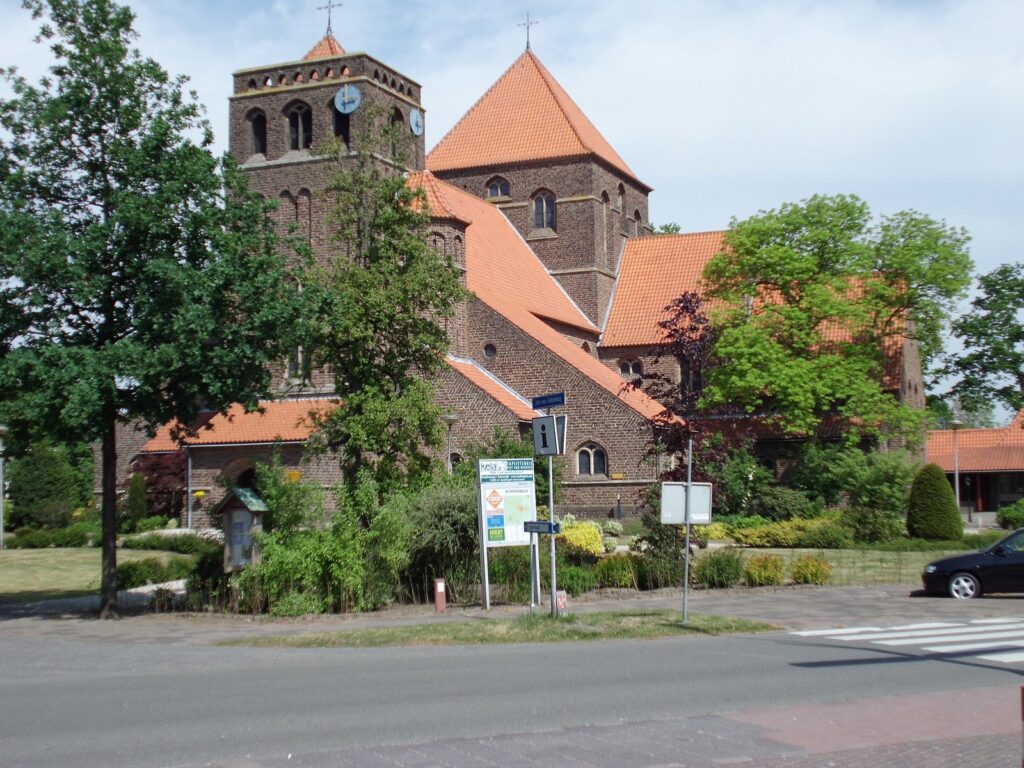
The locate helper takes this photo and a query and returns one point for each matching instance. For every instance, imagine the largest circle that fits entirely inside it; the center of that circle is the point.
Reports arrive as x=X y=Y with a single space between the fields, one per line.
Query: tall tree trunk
x=108 y=580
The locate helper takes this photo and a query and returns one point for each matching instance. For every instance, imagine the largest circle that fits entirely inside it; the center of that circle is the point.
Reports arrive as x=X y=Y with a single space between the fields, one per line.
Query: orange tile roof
x=327 y=48
x=980 y=450
x=654 y=271
x=525 y=116
x=494 y=387
x=285 y=421
x=506 y=275
x=437 y=200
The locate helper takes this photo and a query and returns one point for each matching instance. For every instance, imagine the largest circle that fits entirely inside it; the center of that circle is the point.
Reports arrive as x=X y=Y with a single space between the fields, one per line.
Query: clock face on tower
x=347 y=99
x=416 y=122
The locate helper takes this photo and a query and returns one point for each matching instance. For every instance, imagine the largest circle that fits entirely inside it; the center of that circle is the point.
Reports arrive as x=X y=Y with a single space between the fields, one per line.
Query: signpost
x=686 y=504
x=549 y=440
x=507 y=500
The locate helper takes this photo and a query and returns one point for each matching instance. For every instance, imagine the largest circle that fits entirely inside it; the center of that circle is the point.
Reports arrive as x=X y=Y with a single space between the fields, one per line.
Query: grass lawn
x=855 y=567
x=604 y=625
x=27 y=575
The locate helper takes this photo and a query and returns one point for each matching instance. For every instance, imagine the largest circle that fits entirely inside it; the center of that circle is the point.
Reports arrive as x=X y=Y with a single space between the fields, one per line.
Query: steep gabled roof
x=493 y=387
x=285 y=421
x=654 y=271
x=328 y=47
x=507 y=276
x=525 y=116
x=980 y=450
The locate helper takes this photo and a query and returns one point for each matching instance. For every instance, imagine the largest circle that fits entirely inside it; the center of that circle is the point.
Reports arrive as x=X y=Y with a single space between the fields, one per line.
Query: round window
x=490 y=350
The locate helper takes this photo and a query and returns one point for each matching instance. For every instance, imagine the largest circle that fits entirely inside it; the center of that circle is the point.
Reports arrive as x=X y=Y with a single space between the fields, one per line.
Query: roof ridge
x=508 y=388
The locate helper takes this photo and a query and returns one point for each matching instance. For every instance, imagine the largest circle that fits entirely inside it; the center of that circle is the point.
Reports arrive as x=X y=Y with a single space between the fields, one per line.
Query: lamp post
x=3 y=493
x=451 y=419
x=955 y=425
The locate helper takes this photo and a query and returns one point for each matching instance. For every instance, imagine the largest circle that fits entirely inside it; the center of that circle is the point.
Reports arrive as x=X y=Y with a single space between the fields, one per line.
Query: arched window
x=620 y=198
x=605 y=203
x=691 y=380
x=591 y=460
x=258 y=124
x=342 y=129
x=497 y=187
x=637 y=222
x=437 y=242
x=252 y=84
x=397 y=118
x=544 y=211
x=299 y=365
x=630 y=368
x=300 y=127
x=457 y=243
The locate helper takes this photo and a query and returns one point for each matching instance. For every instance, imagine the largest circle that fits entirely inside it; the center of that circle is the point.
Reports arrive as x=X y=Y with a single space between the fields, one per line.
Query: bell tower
x=283 y=116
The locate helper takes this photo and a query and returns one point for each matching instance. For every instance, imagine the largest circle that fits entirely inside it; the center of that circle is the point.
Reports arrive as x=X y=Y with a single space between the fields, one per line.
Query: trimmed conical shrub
x=932 y=512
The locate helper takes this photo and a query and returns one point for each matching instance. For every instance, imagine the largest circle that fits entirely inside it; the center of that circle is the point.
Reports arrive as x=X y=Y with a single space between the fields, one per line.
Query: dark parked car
x=1000 y=568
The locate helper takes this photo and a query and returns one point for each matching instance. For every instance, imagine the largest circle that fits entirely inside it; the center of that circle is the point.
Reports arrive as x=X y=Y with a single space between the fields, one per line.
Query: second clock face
x=416 y=122
x=347 y=99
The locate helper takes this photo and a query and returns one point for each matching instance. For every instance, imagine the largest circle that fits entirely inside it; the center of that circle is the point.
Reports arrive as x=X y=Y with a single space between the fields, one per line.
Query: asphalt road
x=83 y=702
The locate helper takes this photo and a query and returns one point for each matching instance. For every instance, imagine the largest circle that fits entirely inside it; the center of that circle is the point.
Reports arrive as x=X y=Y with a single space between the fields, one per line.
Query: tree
x=991 y=366
x=931 y=510
x=44 y=487
x=381 y=304
x=941 y=413
x=139 y=279
x=668 y=228
x=815 y=297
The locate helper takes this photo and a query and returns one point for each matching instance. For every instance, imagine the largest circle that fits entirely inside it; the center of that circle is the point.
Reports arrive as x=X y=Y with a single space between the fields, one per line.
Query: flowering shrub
x=810 y=570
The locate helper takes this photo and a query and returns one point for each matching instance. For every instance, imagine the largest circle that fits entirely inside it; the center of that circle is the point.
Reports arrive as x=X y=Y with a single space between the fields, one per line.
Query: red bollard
x=440 y=603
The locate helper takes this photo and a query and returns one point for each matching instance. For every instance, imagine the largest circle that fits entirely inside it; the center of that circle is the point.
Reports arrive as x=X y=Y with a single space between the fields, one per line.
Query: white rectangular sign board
x=673 y=503
x=507 y=500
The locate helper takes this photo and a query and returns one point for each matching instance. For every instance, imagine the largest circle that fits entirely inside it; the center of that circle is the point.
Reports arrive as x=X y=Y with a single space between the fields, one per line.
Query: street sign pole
x=686 y=522
x=551 y=518
x=534 y=583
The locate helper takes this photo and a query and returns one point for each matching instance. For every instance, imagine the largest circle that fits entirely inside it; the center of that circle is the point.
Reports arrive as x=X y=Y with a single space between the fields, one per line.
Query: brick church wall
x=595 y=416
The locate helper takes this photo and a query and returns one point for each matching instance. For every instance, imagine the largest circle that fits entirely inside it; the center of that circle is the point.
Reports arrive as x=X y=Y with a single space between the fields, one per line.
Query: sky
x=725 y=107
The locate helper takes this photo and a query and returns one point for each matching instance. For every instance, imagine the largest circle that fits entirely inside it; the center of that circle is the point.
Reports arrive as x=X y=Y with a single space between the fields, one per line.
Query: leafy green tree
x=505 y=445
x=44 y=487
x=139 y=279
x=379 y=325
x=941 y=413
x=814 y=294
x=991 y=366
x=133 y=506
x=931 y=510
x=668 y=228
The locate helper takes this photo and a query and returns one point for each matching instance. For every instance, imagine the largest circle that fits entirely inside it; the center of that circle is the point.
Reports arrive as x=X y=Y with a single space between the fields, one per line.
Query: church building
x=549 y=228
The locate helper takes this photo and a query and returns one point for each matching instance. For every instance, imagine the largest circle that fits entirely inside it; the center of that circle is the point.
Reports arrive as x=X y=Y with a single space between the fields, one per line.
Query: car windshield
x=1012 y=543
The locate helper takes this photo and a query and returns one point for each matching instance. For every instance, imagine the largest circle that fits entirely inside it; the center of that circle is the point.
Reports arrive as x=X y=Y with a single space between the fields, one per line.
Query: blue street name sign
x=548 y=401
x=542 y=526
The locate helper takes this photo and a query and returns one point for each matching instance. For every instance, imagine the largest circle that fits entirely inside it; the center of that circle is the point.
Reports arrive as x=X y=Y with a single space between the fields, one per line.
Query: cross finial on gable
x=528 y=24
x=331 y=5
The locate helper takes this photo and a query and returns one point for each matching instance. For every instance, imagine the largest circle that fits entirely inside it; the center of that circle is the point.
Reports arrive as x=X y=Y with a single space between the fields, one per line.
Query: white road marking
x=929 y=632
x=820 y=632
x=1007 y=658
x=954 y=638
x=974 y=646
x=942 y=638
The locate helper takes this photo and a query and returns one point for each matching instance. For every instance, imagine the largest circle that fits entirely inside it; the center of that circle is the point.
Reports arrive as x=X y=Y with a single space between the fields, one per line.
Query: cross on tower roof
x=331 y=5
x=528 y=24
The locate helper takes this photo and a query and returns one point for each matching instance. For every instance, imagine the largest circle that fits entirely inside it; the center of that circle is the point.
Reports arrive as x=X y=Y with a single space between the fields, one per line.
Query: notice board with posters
x=507 y=501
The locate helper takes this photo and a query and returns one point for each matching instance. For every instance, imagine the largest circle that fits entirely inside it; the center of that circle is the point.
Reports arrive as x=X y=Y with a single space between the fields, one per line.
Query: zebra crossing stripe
x=822 y=632
x=919 y=633
x=975 y=646
x=953 y=638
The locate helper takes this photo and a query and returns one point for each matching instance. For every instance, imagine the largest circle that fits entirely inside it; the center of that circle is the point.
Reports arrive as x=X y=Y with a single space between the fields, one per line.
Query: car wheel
x=964 y=586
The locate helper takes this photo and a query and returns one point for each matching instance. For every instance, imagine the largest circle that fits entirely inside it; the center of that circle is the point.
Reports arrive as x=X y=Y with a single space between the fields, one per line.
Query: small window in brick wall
x=631 y=369
x=258 y=121
x=591 y=460
x=490 y=351
x=300 y=127
x=544 y=211
x=498 y=187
